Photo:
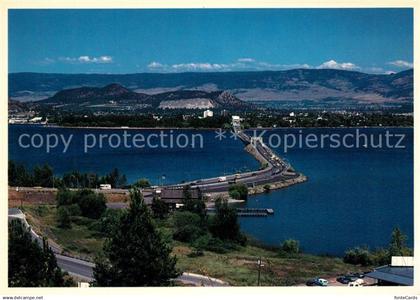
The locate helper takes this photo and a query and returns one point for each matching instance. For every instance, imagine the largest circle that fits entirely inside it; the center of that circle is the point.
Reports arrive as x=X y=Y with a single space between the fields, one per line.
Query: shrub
x=63 y=215
x=358 y=256
x=74 y=210
x=290 y=246
x=41 y=210
x=187 y=226
x=65 y=197
x=187 y=233
x=142 y=183
x=241 y=189
x=183 y=218
x=235 y=195
x=380 y=257
x=92 y=205
x=209 y=243
x=267 y=188
x=84 y=202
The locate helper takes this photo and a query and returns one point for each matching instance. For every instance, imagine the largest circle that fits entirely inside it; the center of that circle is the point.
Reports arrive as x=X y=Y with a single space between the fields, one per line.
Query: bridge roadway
x=275 y=171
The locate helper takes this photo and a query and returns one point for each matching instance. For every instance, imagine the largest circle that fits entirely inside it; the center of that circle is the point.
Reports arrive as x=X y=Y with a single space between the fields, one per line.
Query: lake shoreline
x=204 y=128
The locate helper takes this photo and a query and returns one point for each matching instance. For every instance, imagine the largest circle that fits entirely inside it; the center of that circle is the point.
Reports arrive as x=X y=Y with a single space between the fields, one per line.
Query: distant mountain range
x=154 y=88
x=116 y=95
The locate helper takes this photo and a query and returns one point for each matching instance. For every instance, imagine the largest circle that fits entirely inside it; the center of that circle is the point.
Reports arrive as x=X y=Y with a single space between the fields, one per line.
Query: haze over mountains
x=291 y=85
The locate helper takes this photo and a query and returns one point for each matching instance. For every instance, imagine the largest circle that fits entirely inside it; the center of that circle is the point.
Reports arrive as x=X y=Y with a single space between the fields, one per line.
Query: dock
x=249 y=212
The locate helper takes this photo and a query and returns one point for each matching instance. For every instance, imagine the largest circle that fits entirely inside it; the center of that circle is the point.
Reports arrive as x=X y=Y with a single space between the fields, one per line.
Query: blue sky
x=130 y=41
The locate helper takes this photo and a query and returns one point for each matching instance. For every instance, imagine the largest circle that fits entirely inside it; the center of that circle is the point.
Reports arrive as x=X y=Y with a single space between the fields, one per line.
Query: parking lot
x=333 y=282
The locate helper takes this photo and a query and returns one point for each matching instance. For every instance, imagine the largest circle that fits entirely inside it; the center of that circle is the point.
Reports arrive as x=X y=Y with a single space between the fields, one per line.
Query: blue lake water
x=352 y=196
x=177 y=163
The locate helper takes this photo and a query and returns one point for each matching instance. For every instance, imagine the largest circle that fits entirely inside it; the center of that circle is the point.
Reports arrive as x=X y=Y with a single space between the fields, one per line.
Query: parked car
x=358 y=282
x=312 y=282
x=358 y=275
x=344 y=279
x=317 y=282
x=322 y=282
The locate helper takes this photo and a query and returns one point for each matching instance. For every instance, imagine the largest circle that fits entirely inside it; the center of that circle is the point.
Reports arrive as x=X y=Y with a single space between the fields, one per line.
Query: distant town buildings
x=236 y=120
x=26 y=119
x=35 y=120
x=81 y=284
x=208 y=114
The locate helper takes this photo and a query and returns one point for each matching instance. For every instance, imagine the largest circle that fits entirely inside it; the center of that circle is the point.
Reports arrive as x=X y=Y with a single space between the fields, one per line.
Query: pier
x=249 y=212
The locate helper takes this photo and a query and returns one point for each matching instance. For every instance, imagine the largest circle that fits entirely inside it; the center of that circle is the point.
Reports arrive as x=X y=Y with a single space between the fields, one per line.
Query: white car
x=322 y=281
x=357 y=282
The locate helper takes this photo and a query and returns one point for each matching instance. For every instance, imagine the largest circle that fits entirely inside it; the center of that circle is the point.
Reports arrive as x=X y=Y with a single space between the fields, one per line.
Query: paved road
x=84 y=269
x=76 y=267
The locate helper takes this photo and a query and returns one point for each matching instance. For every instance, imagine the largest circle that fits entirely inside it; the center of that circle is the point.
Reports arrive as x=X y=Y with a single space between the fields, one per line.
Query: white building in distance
x=208 y=114
x=236 y=120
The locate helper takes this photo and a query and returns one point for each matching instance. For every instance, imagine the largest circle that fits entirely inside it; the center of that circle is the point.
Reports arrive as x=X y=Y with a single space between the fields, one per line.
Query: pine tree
x=197 y=206
x=29 y=264
x=136 y=254
x=225 y=223
x=397 y=246
x=159 y=208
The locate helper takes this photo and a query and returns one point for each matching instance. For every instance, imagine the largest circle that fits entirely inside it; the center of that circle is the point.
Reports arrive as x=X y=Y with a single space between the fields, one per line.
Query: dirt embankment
x=35 y=196
x=31 y=197
x=251 y=150
x=277 y=185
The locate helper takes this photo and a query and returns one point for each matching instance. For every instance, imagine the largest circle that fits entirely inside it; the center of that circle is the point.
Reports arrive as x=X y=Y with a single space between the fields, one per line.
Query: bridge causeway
x=275 y=172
